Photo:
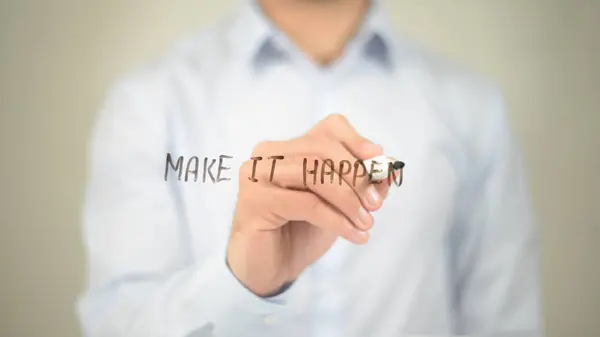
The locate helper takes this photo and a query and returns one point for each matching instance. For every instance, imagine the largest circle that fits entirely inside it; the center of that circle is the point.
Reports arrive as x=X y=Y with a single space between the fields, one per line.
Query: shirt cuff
x=234 y=309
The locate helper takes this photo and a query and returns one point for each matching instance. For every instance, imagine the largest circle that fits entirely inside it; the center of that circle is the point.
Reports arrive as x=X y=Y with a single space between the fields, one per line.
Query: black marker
x=378 y=167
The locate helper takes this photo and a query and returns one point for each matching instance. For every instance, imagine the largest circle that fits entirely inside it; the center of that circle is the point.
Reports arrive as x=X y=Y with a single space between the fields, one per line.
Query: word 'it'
x=313 y=171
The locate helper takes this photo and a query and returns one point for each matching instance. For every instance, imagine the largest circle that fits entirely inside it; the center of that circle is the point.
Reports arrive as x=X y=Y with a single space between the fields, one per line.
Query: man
x=451 y=251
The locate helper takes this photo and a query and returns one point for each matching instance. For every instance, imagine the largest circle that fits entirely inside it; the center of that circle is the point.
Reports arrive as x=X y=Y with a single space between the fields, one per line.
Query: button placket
x=327 y=315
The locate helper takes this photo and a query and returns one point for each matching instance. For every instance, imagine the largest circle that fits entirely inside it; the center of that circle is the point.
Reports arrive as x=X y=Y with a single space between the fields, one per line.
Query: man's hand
x=282 y=226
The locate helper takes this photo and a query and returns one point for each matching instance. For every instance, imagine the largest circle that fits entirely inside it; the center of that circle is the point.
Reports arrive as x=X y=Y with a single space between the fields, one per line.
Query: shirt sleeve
x=142 y=279
x=497 y=283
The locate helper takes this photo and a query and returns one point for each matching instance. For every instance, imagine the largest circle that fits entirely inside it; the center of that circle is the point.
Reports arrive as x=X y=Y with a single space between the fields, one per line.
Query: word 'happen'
x=323 y=172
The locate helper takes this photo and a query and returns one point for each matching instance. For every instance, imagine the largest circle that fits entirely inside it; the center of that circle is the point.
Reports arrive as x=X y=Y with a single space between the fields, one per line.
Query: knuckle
x=313 y=162
x=313 y=141
x=320 y=146
x=336 y=118
x=328 y=147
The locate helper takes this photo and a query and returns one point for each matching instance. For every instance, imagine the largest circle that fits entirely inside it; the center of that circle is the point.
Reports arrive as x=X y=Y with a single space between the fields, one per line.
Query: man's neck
x=320 y=28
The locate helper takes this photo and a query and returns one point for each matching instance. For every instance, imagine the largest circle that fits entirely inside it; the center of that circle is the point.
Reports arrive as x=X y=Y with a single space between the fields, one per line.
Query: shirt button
x=271 y=320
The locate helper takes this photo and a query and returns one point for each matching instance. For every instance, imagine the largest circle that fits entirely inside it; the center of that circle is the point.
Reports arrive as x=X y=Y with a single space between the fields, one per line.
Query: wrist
x=259 y=278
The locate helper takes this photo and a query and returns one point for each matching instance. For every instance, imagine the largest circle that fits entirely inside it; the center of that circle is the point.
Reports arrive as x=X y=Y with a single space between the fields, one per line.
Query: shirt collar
x=253 y=36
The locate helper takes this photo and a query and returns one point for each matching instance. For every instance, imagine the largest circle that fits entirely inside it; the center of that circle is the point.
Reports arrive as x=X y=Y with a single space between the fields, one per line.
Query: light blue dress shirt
x=453 y=251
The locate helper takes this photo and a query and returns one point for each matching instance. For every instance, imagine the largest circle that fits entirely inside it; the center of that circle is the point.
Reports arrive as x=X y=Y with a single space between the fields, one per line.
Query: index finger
x=337 y=127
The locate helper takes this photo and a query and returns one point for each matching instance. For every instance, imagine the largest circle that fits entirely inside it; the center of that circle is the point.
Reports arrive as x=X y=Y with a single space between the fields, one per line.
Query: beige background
x=58 y=57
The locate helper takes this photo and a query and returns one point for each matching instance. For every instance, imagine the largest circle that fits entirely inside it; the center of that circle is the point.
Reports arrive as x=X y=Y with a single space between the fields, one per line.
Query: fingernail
x=362 y=236
x=365 y=219
x=373 y=197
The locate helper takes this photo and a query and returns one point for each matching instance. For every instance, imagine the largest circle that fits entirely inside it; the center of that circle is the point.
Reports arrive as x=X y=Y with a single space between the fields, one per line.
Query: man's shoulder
x=469 y=104
x=152 y=90
x=197 y=55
